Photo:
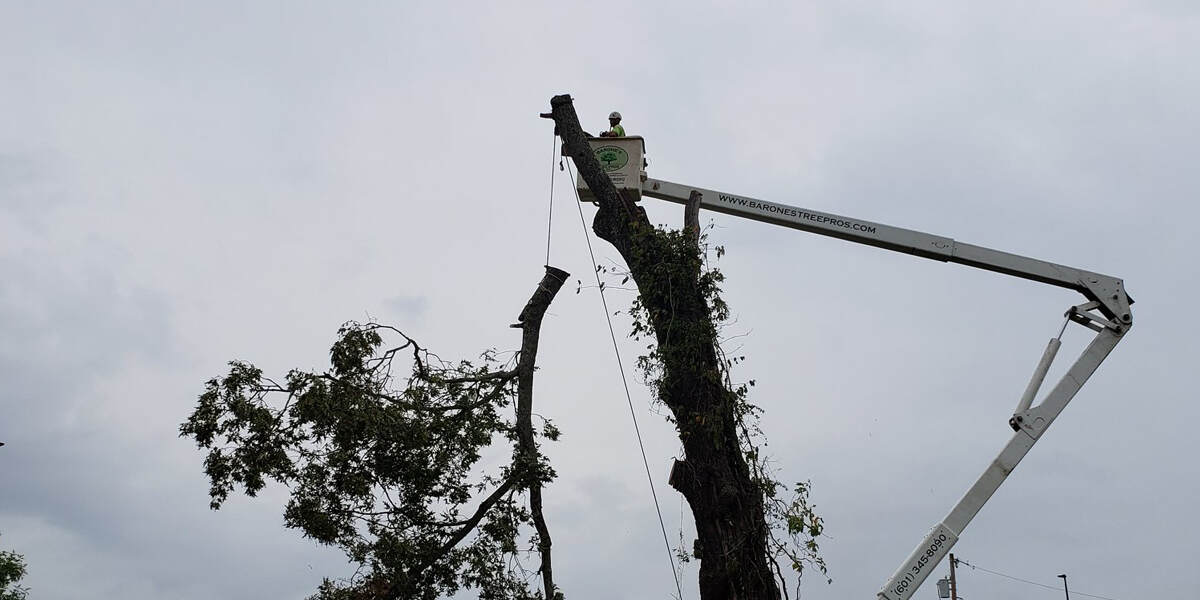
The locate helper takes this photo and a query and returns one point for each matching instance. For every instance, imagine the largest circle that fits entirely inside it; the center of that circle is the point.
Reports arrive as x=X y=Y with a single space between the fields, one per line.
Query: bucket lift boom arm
x=1106 y=312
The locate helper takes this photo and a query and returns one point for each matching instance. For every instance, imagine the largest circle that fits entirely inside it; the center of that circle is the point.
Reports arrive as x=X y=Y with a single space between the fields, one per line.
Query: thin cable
x=1042 y=585
x=1064 y=327
x=550 y=215
x=625 y=381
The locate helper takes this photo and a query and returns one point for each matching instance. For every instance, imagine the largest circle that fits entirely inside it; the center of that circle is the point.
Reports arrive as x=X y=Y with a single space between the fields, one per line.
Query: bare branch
x=498 y=375
x=469 y=524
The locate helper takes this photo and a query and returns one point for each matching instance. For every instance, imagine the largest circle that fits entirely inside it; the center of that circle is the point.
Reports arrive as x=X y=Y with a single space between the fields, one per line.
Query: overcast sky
x=185 y=185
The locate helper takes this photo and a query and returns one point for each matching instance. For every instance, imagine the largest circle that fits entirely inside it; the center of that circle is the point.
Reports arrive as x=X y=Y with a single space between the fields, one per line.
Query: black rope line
x=625 y=382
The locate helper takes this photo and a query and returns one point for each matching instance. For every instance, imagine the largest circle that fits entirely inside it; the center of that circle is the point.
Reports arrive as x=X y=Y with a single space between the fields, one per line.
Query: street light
x=1065 y=590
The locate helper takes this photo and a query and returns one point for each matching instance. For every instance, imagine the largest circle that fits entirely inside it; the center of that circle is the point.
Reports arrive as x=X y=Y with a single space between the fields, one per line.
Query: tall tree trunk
x=714 y=476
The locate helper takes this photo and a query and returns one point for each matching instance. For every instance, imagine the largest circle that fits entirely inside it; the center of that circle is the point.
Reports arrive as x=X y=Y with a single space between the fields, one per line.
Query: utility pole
x=953 y=581
x=1065 y=590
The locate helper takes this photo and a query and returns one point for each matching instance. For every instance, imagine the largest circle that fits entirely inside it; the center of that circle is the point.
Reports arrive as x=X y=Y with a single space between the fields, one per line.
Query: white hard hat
x=614 y=115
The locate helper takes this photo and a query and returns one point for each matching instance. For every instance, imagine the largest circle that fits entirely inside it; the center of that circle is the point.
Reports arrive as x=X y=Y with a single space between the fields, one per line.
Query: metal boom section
x=1109 y=291
x=1105 y=294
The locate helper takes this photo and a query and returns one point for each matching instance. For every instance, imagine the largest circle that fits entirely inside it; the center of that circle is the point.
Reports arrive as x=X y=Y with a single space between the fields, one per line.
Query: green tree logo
x=612 y=158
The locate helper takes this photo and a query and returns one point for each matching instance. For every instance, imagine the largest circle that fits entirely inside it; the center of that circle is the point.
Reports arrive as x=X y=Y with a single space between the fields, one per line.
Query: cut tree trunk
x=713 y=476
x=530 y=323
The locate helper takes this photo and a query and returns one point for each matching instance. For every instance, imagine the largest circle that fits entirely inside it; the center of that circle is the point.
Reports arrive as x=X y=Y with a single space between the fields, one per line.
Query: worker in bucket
x=614 y=129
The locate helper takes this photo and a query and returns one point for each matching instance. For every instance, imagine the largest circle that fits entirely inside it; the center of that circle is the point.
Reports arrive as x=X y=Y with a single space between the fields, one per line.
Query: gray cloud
x=183 y=186
x=407 y=307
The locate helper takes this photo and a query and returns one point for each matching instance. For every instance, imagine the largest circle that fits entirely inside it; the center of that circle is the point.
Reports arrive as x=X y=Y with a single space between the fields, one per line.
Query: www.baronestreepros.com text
x=795 y=213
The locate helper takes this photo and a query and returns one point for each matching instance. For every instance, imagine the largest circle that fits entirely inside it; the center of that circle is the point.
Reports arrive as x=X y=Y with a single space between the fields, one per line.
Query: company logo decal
x=611 y=158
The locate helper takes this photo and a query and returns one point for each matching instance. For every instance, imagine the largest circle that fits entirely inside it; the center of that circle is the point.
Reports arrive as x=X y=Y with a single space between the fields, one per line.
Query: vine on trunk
x=793 y=523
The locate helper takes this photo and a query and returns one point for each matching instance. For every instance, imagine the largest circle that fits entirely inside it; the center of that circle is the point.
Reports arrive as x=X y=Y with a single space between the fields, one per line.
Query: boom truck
x=1106 y=312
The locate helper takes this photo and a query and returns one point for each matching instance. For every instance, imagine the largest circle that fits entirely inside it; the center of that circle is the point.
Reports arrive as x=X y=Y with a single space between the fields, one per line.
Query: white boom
x=1104 y=293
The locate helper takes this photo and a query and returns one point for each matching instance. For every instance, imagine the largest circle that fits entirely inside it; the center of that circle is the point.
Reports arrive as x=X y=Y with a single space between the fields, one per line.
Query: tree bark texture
x=714 y=476
x=691 y=217
x=530 y=322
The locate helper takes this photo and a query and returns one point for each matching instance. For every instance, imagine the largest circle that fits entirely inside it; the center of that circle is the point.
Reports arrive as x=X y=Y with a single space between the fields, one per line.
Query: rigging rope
x=625 y=381
x=550 y=213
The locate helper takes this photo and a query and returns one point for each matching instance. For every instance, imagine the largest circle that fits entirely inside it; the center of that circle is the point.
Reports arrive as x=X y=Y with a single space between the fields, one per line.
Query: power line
x=625 y=380
x=1041 y=585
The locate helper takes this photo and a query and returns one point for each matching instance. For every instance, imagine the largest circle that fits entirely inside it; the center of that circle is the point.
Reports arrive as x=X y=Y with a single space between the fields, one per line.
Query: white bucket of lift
x=622 y=159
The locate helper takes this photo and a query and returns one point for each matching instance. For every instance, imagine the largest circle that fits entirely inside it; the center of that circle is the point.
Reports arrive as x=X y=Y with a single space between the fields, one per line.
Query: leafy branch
x=390 y=469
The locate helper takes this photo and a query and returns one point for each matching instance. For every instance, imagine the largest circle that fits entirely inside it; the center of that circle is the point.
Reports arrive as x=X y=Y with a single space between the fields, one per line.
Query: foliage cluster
x=390 y=469
x=12 y=570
